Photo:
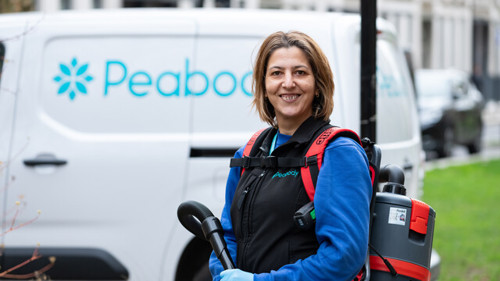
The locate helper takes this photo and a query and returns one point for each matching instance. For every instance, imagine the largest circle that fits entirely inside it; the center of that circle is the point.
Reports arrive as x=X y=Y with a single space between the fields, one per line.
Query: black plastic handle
x=44 y=159
x=394 y=176
x=392 y=173
x=200 y=221
x=408 y=166
x=191 y=214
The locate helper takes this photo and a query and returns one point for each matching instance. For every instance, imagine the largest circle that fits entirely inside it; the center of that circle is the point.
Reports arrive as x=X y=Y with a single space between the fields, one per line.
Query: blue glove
x=236 y=275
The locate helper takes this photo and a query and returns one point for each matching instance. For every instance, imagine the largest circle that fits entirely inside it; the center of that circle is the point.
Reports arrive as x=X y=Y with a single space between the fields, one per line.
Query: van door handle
x=45 y=159
x=407 y=166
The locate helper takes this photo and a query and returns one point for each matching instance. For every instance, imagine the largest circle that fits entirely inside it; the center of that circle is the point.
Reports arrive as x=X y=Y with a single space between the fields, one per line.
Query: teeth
x=289 y=97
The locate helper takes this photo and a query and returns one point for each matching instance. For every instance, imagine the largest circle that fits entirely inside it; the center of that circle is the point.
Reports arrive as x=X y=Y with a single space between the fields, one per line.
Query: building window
x=426 y=43
x=66 y=5
x=98 y=4
x=149 y=3
x=2 y=57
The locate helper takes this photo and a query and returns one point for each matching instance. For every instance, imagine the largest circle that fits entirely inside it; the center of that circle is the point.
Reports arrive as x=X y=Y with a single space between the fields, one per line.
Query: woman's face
x=290 y=85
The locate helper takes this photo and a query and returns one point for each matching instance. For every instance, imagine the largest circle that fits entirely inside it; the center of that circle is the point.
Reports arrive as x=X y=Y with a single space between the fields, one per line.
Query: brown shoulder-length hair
x=323 y=76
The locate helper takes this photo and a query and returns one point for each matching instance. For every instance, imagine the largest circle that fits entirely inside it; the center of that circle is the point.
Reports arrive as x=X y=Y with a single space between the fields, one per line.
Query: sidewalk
x=463 y=158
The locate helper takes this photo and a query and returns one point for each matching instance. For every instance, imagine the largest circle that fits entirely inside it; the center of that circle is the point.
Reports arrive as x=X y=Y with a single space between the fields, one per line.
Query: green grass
x=467 y=228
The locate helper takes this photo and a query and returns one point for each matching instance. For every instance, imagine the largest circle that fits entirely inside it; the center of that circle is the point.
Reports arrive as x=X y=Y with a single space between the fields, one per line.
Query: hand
x=236 y=275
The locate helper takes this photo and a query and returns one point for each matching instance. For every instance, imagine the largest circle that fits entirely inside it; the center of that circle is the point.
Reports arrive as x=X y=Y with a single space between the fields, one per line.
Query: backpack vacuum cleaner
x=401 y=232
x=400 y=239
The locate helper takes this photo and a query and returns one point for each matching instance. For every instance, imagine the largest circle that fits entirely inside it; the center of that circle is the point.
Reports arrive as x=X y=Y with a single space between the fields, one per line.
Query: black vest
x=265 y=201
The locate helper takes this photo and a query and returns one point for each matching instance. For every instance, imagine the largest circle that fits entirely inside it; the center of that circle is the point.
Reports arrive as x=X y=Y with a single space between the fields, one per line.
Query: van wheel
x=193 y=264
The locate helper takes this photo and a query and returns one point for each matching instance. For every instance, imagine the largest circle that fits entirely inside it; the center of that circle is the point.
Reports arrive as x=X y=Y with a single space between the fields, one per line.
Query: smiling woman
x=293 y=92
x=290 y=88
x=305 y=60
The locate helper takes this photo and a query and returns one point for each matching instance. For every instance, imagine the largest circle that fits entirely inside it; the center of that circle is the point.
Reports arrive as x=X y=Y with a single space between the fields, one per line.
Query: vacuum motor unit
x=401 y=237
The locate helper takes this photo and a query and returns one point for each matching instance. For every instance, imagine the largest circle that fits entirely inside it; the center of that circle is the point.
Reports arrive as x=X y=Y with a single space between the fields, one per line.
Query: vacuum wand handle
x=212 y=229
x=190 y=214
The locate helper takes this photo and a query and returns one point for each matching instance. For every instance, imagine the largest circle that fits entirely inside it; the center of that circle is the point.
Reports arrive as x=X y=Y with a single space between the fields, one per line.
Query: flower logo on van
x=73 y=78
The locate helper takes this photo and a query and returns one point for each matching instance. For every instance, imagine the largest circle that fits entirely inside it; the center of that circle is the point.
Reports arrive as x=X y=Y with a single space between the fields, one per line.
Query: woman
x=293 y=92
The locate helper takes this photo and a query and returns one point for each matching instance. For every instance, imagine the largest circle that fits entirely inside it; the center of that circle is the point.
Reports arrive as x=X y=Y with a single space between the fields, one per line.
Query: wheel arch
x=193 y=263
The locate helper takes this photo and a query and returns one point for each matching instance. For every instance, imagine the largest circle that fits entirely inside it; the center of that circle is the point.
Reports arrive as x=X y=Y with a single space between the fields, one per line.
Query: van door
x=10 y=52
x=108 y=124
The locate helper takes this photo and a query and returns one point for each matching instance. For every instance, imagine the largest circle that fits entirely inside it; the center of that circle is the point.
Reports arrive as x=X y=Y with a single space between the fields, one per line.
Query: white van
x=109 y=120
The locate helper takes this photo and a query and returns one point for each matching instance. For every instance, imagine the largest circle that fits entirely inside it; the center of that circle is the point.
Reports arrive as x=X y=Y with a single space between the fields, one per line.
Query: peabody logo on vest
x=294 y=173
x=118 y=77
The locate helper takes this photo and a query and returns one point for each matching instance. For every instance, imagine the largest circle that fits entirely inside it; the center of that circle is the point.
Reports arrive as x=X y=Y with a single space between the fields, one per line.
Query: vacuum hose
x=200 y=221
x=394 y=176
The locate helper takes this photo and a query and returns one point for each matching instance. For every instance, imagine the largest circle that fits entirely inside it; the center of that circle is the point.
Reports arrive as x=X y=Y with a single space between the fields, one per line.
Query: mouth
x=289 y=97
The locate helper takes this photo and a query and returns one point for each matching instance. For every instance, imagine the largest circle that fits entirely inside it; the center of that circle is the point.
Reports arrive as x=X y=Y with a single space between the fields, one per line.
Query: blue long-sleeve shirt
x=342 y=200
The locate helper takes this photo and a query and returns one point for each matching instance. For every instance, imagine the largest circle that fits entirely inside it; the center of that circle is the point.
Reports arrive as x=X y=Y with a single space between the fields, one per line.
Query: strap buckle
x=310 y=161
x=269 y=162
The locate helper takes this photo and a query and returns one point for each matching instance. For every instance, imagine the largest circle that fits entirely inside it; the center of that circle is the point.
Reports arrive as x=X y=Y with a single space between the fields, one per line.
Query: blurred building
x=462 y=34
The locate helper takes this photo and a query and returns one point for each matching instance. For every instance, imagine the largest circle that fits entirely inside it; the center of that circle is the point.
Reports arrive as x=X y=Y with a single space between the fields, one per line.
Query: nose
x=288 y=81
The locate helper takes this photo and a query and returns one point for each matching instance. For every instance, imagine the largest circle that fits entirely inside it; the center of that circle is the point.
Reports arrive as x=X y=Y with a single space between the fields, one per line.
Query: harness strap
x=251 y=142
x=248 y=147
x=272 y=162
x=310 y=164
x=310 y=173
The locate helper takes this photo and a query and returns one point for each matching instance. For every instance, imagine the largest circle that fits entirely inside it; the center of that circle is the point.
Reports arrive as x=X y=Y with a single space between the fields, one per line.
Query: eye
x=300 y=72
x=275 y=73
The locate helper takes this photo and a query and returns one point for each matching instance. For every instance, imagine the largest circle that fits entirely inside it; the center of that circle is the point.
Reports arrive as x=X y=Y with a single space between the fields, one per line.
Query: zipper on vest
x=252 y=199
x=244 y=193
x=243 y=196
x=245 y=226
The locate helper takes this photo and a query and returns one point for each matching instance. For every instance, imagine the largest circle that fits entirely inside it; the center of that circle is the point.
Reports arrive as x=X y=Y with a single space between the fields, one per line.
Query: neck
x=289 y=126
x=287 y=130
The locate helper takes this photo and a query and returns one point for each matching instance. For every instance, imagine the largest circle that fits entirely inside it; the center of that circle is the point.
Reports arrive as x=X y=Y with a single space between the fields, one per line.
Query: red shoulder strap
x=249 y=146
x=317 y=149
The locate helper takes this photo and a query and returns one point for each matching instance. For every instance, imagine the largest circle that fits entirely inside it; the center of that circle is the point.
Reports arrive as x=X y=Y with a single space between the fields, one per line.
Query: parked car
x=450 y=108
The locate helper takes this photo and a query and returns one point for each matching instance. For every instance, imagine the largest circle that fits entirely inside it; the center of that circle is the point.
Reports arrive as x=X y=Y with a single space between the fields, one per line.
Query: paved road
x=491 y=143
